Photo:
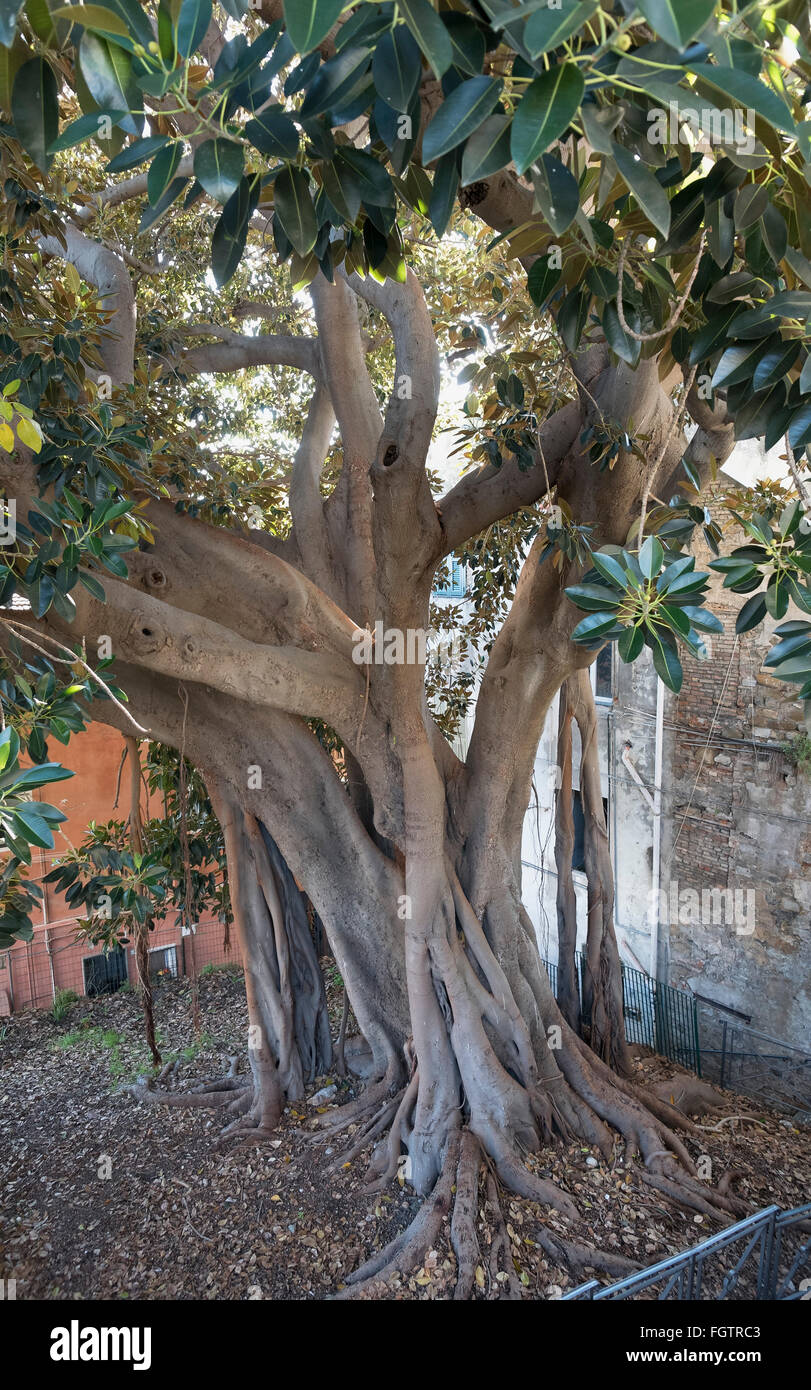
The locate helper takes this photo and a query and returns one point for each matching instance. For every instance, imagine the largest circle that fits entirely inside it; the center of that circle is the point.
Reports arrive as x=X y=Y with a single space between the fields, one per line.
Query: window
x=602 y=675
x=105 y=973
x=163 y=963
x=451 y=581
x=579 y=850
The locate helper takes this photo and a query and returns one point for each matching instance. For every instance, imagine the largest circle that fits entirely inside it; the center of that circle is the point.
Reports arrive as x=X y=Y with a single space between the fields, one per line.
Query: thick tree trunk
x=288 y=1030
x=416 y=873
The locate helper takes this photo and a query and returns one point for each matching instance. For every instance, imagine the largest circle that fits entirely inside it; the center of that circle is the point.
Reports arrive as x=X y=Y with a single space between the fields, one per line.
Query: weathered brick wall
x=738 y=817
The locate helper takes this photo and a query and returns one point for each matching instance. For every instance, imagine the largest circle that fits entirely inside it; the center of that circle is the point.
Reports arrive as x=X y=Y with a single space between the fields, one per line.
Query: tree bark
x=416 y=875
x=602 y=976
x=141 y=930
x=568 y=988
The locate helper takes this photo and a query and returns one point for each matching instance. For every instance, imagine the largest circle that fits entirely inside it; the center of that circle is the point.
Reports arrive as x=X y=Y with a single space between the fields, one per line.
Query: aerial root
x=242 y=1134
x=409 y=1248
x=386 y=1161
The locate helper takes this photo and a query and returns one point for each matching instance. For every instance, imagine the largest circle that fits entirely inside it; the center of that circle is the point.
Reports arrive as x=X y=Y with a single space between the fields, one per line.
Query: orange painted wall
x=30 y=971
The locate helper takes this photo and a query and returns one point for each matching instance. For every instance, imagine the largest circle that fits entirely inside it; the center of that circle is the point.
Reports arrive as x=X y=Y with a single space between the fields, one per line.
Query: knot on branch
x=390 y=455
x=145 y=636
x=474 y=194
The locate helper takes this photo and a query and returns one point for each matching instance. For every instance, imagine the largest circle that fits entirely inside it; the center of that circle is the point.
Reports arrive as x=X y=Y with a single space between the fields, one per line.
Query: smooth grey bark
x=417 y=878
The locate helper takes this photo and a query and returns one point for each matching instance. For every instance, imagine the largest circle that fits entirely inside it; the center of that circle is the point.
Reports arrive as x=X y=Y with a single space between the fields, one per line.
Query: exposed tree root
x=458 y=1192
x=464 y=1239
x=500 y=1260
x=679 y=1192
x=409 y=1248
x=525 y=1184
x=575 y=1256
x=250 y=1118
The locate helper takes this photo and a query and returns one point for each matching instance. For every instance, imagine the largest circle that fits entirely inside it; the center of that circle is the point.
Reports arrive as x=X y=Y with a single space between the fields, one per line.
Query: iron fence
x=763 y=1257
x=758 y=1065
x=656 y=1015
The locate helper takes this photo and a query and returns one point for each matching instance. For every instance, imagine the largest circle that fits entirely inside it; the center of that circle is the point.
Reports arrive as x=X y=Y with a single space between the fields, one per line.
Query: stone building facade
x=709 y=812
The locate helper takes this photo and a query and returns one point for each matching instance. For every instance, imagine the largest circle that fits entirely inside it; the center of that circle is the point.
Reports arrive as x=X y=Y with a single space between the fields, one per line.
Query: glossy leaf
x=459 y=115
x=309 y=21
x=35 y=110
x=218 y=166
x=430 y=33
x=645 y=187
x=192 y=23
x=544 y=112
x=294 y=208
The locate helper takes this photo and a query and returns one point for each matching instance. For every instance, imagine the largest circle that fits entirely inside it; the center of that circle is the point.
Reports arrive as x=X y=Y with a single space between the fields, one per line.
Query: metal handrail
x=684 y=1273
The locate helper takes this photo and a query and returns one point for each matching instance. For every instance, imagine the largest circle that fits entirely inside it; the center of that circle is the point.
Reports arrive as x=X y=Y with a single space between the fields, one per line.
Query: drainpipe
x=657 y=830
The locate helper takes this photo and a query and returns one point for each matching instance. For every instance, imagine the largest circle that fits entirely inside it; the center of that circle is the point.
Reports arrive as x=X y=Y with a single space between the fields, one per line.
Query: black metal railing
x=769 y=1253
x=756 y=1064
x=656 y=1015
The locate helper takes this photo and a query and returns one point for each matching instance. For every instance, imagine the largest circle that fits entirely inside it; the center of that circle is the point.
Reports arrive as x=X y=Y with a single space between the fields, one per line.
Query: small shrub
x=64 y=999
x=798 y=752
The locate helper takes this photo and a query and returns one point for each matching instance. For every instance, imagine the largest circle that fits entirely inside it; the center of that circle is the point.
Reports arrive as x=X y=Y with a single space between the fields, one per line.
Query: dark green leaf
x=162 y=171
x=752 y=613
x=272 y=132
x=544 y=112
x=218 y=166
x=749 y=91
x=645 y=187
x=541 y=280
x=430 y=33
x=677 y=21
x=459 y=115
x=551 y=26
x=396 y=68
x=107 y=71
x=132 y=154
x=151 y=214
x=557 y=193
x=651 y=556
x=85 y=126
x=192 y=23
x=35 y=110
x=309 y=21
x=294 y=208
x=487 y=150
